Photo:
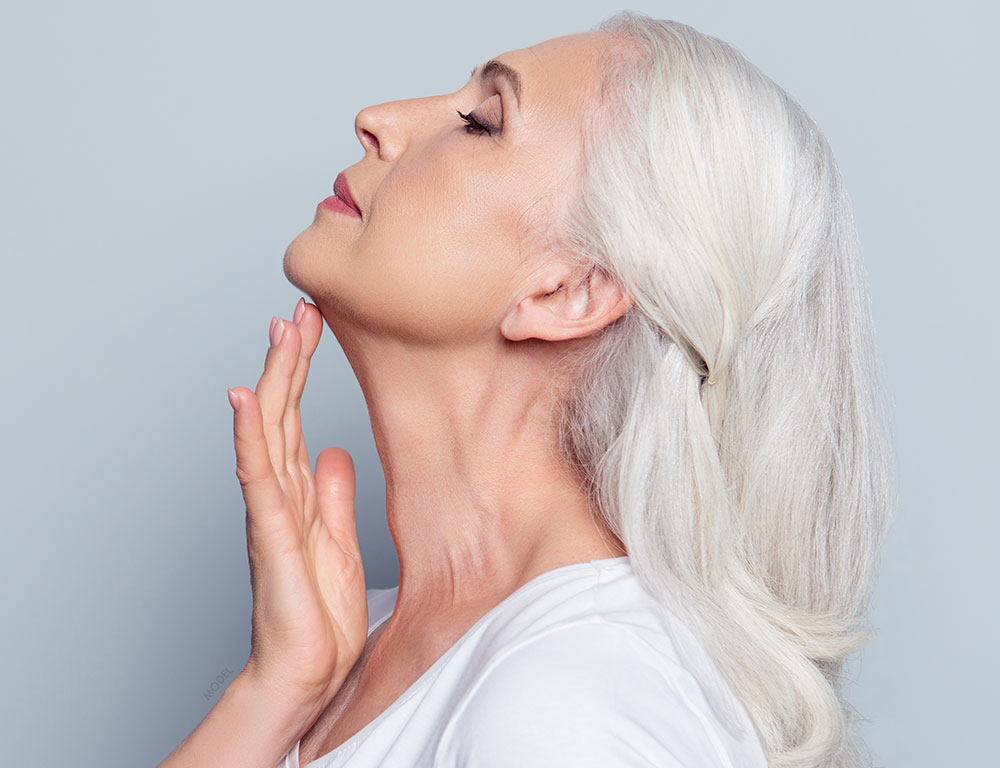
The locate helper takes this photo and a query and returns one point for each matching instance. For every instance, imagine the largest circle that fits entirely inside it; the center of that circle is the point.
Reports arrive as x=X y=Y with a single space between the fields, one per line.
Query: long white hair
x=732 y=427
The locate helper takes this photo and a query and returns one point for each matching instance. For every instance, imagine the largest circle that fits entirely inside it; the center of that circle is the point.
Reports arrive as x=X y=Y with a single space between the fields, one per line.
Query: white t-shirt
x=576 y=669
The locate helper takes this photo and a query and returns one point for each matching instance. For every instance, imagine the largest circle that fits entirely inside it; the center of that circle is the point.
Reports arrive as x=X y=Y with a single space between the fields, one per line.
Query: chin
x=294 y=262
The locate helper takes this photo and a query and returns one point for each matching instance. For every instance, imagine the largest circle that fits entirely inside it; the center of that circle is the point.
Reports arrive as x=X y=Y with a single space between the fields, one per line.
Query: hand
x=310 y=610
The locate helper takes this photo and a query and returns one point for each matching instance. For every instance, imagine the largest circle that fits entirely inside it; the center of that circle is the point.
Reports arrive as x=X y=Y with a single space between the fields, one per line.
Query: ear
x=565 y=304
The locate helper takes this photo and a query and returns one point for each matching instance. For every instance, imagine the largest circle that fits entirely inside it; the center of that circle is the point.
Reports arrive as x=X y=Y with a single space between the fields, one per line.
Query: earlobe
x=582 y=304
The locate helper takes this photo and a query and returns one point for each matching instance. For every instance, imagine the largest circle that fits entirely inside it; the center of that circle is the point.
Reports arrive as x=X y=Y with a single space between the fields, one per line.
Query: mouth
x=343 y=192
x=335 y=204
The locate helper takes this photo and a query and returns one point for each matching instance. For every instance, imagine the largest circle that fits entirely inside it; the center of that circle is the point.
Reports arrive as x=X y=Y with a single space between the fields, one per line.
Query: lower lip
x=334 y=203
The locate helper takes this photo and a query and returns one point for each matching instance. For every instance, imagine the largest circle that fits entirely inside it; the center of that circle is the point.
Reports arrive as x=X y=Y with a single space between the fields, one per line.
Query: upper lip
x=343 y=191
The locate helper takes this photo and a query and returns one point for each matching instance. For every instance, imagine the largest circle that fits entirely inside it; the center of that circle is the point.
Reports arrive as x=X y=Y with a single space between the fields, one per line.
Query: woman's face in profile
x=442 y=248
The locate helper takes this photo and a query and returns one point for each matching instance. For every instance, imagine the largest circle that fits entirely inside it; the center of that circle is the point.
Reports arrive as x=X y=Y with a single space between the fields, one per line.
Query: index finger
x=261 y=489
x=310 y=326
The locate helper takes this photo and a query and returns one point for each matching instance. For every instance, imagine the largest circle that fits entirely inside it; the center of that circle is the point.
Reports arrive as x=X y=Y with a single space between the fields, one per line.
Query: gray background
x=157 y=159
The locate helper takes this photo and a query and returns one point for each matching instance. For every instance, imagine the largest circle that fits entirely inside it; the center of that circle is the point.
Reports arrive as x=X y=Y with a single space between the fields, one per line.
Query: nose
x=367 y=133
x=379 y=128
x=386 y=128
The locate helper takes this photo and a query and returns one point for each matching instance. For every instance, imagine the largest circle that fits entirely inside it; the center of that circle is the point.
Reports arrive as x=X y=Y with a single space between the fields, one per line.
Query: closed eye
x=488 y=117
x=473 y=126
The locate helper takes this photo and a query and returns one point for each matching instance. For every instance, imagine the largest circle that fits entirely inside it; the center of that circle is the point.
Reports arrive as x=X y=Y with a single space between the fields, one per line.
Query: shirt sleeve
x=582 y=696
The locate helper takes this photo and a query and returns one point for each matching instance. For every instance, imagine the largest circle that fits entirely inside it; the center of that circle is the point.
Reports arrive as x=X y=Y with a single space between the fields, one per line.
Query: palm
x=310 y=608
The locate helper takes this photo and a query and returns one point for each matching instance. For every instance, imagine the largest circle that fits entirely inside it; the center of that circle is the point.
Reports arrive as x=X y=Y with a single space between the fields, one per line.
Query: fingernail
x=277 y=329
x=233 y=399
x=299 y=309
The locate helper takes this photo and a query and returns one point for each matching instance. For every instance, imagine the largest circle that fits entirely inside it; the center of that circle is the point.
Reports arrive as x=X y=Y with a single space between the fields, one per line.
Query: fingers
x=261 y=489
x=310 y=327
x=273 y=387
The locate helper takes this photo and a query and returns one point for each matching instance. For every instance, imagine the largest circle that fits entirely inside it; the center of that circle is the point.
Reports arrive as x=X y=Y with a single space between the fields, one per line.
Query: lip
x=335 y=204
x=343 y=193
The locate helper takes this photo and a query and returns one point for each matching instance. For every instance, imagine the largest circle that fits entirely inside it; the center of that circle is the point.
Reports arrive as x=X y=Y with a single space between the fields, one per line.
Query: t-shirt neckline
x=431 y=672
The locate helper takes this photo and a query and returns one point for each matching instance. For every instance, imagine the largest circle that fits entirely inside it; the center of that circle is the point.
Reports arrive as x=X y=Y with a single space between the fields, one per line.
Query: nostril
x=368 y=139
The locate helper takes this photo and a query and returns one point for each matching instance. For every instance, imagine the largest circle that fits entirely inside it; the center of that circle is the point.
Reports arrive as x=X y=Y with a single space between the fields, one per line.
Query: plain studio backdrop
x=157 y=158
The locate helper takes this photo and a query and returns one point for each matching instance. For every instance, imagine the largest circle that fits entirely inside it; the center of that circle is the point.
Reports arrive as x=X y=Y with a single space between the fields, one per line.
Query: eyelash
x=473 y=126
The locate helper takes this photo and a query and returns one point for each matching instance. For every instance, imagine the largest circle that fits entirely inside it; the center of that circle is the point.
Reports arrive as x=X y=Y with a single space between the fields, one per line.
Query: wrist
x=305 y=702
x=249 y=727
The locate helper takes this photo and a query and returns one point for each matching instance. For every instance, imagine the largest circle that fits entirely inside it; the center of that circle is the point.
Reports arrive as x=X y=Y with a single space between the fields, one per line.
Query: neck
x=477 y=499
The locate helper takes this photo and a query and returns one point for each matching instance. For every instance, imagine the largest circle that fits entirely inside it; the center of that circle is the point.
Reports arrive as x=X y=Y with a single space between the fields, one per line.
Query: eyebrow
x=493 y=67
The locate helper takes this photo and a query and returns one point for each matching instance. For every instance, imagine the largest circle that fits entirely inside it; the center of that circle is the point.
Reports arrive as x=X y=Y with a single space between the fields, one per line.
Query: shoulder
x=587 y=693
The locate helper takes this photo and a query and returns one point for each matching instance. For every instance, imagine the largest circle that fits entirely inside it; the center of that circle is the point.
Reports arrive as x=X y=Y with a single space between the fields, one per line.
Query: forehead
x=560 y=74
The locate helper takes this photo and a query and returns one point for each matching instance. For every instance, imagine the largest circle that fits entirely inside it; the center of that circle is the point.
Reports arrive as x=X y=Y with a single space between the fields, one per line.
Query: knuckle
x=248 y=477
x=243 y=477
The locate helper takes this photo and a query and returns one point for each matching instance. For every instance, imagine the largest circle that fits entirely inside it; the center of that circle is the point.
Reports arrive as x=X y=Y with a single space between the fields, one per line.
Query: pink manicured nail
x=233 y=399
x=299 y=309
x=277 y=329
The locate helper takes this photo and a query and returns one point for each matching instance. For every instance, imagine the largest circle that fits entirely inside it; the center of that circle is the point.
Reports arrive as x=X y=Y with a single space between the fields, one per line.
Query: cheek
x=440 y=248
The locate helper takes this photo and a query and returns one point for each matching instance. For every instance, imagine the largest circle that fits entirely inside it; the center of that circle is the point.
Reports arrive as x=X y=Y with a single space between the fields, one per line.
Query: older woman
x=606 y=306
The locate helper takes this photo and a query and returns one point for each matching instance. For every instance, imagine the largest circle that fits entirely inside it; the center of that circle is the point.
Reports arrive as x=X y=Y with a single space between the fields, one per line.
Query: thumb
x=335 y=489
